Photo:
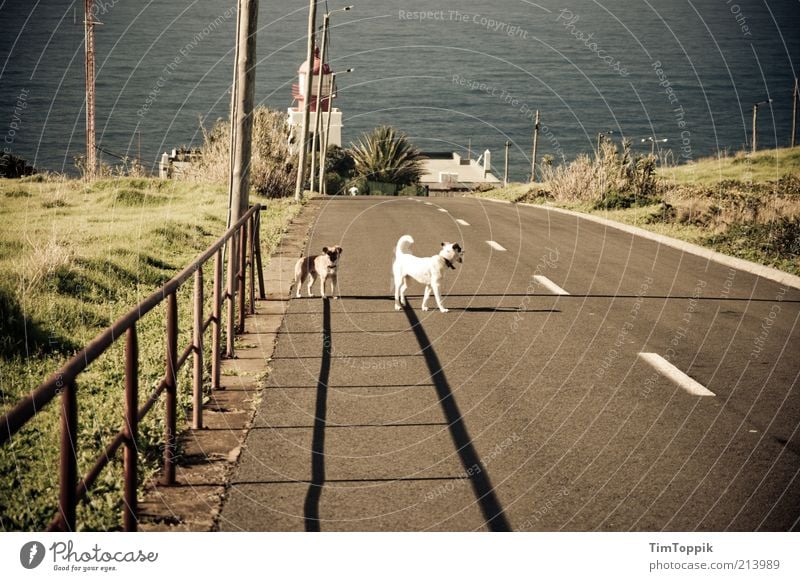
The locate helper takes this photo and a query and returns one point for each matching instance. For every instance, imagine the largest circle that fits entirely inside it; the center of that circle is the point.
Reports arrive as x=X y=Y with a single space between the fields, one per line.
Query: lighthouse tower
x=318 y=104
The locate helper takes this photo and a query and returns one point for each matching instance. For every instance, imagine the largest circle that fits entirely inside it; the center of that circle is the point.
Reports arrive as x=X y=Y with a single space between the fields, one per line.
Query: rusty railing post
x=170 y=443
x=68 y=470
x=251 y=263
x=261 y=291
x=197 y=341
x=130 y=459
x=215 y=321
x=230 y=297
x=242 y=274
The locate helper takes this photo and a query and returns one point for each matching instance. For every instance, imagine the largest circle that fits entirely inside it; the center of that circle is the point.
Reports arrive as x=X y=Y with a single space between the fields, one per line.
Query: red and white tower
x=317 y=103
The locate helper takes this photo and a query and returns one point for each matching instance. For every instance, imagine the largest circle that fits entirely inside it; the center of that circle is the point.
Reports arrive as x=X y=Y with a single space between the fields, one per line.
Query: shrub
x=13 y=166
x=272 y=169
x=387 y=156
x=612 y=179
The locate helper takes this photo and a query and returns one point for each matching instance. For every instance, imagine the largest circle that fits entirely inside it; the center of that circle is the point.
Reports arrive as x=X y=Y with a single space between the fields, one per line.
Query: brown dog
x=323 y=265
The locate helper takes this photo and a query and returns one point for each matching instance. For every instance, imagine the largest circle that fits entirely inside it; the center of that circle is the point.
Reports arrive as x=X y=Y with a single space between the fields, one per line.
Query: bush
x=272 y=169
x=12 y=166
x=613 y=179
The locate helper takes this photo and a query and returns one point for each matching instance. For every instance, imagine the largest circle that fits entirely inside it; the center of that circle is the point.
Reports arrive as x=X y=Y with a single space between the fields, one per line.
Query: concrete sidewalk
x=208 y=456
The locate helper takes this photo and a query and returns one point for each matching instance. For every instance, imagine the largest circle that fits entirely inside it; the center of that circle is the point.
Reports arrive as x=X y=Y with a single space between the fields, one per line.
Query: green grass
x=761 y=167
x=73 y=258
x=746 y=206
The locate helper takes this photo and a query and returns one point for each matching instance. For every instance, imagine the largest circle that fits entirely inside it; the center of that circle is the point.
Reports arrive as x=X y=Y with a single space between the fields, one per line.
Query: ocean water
x=452 y=75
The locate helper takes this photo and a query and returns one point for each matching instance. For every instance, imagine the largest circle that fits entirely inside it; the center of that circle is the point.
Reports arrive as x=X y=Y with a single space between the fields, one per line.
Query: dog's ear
x=457 y=247
x=325 y=250
x=338 y=250
x=443 y=243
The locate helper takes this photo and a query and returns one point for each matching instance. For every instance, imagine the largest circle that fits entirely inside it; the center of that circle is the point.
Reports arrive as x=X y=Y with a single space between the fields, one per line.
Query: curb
x=773 y=274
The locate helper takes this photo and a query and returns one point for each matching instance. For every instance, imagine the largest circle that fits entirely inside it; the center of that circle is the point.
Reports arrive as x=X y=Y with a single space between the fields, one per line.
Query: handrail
x=243 y=252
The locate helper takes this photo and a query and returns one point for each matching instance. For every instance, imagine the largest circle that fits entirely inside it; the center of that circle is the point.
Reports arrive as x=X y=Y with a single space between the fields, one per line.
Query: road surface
x=584 y=379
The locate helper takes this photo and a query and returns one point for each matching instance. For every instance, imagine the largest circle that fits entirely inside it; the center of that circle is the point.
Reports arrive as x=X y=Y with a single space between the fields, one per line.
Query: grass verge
x=73 y=258
x=747 y=206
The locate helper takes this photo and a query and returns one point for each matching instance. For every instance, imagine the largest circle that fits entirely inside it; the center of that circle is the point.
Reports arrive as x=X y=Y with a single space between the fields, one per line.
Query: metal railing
x=244 y=258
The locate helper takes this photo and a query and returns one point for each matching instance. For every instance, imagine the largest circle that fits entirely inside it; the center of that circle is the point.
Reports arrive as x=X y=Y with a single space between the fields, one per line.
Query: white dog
x=428 y=271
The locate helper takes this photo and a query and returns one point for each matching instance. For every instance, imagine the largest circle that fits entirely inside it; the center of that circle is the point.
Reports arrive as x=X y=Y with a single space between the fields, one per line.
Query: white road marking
x=462 y=222
x=667 y=369
x=428 y=204
x=495 y=245
x=442 y=210
x=549 y=285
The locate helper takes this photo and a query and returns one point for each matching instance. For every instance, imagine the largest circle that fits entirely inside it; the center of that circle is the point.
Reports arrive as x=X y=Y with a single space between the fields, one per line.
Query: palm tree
x=387 y=156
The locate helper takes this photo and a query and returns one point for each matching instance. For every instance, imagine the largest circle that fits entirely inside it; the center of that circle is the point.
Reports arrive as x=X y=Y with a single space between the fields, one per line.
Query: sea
x=679 y=77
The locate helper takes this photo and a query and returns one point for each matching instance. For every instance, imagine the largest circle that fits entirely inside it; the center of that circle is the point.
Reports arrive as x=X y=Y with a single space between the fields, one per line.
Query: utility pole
x=325 y=135
x=88 y=33
x=535 y=145
x=303 y=141
x=755 y=122
x=324 y=144
x=794 y=112
x=318 y=103
x=242 y=97
x=505 y=173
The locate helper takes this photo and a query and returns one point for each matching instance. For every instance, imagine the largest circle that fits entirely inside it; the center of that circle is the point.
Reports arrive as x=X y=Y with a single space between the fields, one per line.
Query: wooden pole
x=324 y=155
x=794 y=112
x=88 y=31
x=303 y=141
x=243 y=96
x=505 y=172
x=755 y=128
x=535 y=145
x=318 y=105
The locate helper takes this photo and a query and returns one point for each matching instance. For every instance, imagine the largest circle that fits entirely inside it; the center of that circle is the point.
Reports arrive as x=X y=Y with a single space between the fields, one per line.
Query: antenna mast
x=88 y=30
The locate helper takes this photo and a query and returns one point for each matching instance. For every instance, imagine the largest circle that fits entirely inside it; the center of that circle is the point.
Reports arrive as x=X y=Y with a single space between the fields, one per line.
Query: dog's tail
x=404 y=245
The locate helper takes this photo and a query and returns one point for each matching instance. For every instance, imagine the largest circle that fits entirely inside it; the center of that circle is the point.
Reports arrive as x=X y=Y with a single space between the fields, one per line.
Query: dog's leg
x=298 y=285
x=311 y=280
x=425 y=297
x=438 y=297
x=397 y=306
x=322 y=280
x=403 y=288
x=334 y=286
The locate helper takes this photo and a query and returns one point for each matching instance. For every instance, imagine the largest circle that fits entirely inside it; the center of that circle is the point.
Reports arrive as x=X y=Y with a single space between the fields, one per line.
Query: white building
x=450 y=171
x=325 y=101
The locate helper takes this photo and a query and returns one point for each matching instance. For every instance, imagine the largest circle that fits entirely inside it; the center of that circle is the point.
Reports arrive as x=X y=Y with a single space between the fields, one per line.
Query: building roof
x=304 y=67
x=451 y=171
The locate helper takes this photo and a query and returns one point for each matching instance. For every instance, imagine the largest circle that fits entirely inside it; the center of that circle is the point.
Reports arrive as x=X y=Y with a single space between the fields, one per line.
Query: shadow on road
x=478 y=476
x=311 y=505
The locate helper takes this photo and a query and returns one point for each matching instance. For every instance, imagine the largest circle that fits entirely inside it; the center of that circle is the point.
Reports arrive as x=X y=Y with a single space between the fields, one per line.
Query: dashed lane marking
x=549 y=285
x=677 y=376
x=495 y=245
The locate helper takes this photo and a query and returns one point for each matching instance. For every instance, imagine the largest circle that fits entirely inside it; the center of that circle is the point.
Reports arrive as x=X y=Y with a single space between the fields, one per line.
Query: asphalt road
x=521 y=408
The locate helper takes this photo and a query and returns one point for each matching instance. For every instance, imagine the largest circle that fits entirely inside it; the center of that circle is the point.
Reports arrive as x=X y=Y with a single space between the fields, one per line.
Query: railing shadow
x=473 y=467
x=311 y=505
